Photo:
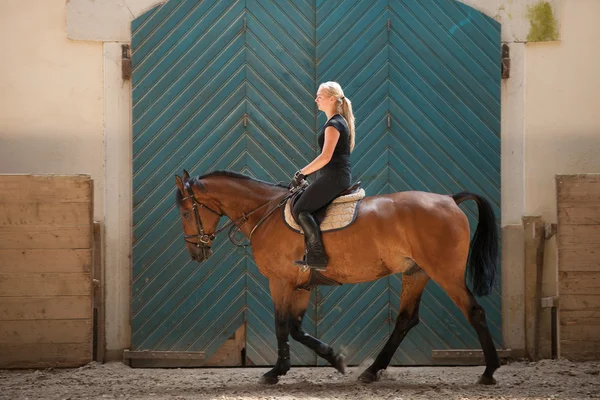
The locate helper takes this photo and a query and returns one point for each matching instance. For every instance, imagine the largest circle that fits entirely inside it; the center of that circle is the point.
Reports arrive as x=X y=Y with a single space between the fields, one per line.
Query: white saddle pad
x=340 y=213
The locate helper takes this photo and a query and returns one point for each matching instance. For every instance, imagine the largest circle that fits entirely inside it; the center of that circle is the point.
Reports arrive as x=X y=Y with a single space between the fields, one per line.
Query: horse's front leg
x=298 y=334
x=282 y=294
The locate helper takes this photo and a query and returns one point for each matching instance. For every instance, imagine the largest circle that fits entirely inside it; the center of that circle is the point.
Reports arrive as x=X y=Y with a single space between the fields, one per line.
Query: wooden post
x=534 y=265
x=98 y=280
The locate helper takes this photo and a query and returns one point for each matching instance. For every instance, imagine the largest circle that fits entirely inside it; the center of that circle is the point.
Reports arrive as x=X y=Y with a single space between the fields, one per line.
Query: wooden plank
x=164 y=359
x=580 y=317
x=45 y=260
x=586 y=259
x=38 y=214
x=578 y=236
x=230 y=353
x=99 y=350
x=36 y=308
x=584 y=214
x=44 y=355
x=45 y=284
x=582 y=187
x=578 y=282
x=464 y=357
x=579 y=302
x=534 y=229
x=580 y=351
x=39 y=237
x=580 y=332
x=45 y=188
x=46 y=331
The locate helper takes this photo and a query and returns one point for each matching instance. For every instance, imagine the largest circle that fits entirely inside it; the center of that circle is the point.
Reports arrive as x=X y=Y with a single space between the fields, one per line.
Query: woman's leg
x=318 y=194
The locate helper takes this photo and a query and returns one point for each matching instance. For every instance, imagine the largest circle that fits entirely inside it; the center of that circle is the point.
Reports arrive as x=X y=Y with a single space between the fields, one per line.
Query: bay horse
x=421 y=235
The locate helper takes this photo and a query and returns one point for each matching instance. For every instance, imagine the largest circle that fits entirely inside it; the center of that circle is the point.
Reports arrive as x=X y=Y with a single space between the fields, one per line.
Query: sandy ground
x=521 y=380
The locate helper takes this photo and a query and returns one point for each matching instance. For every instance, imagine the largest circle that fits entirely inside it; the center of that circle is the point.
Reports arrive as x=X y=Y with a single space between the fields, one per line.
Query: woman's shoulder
x=338 y=122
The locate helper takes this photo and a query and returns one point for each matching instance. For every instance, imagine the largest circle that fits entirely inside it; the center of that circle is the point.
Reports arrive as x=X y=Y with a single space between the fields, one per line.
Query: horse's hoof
x=339 y=363
x=268 y=380
x=368 y=377
x=486 y=380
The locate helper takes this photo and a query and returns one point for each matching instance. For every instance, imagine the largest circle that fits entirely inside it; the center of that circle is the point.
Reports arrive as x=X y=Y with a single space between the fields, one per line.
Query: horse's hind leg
x=465 y=300
x=322 y=349
x=408 y=317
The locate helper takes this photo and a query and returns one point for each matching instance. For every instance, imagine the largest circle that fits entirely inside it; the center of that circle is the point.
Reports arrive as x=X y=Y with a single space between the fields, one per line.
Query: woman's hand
x=297 y=179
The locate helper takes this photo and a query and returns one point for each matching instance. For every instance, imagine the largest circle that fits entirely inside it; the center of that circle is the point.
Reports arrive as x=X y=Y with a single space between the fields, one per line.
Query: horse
x=419 y=234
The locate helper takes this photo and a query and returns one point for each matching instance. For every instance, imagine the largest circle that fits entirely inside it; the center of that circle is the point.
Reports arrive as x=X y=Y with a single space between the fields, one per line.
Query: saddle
x=339 y=213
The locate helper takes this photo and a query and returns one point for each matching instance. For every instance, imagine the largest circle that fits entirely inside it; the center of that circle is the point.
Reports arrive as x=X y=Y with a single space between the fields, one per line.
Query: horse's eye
x=186 y=215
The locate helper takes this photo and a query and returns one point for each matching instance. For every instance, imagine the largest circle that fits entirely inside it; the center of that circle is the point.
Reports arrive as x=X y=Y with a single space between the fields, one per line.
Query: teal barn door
x=231 y=85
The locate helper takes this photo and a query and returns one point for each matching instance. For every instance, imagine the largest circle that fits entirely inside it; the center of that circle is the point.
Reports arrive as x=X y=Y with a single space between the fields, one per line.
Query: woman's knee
x=297 y=209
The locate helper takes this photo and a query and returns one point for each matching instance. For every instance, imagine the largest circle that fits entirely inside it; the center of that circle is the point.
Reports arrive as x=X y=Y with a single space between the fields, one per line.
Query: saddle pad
x=340 y=213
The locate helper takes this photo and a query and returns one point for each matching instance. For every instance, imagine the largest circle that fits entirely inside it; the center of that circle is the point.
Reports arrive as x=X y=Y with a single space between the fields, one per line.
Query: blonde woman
x=336 y=140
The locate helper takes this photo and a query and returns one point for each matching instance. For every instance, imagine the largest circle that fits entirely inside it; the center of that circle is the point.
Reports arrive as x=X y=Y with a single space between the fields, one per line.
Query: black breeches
x=321 y=192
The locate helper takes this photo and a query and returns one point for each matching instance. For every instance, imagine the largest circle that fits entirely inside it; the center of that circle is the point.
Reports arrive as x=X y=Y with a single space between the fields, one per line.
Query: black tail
x=482 y=267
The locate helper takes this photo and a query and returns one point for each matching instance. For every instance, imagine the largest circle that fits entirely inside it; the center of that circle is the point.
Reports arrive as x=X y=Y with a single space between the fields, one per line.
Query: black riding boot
x=315 y=252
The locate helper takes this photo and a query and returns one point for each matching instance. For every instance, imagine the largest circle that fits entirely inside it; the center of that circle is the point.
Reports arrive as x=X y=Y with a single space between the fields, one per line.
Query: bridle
x=203 y=238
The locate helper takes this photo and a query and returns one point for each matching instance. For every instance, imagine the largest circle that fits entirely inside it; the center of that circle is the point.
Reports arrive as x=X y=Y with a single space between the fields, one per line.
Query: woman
x=336 y=142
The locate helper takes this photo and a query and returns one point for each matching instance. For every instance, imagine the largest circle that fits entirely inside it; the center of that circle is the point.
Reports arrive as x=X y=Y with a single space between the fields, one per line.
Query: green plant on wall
x=543 y=23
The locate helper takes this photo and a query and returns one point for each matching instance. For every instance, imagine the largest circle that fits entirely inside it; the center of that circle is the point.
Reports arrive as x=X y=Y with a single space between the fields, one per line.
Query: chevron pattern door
x=230 y=85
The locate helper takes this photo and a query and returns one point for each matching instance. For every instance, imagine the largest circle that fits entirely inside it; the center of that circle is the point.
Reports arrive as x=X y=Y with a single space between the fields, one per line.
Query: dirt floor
x=521 y=380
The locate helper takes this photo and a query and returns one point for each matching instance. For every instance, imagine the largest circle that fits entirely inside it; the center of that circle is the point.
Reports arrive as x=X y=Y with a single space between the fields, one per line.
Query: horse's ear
x=186 y=176
x=179 y=183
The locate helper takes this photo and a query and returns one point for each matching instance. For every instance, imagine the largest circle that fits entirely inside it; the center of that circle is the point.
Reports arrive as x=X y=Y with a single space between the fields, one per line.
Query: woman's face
x=324 y=102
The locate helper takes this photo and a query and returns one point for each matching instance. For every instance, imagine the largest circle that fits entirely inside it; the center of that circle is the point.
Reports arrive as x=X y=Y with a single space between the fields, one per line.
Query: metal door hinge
x=389 y=25
x=125 y=62
x=505 y=61
x=389 y=119
x=245 y=120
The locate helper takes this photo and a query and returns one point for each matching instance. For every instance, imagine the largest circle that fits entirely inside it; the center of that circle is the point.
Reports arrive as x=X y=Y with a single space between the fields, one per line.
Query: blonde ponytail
x=345 y=110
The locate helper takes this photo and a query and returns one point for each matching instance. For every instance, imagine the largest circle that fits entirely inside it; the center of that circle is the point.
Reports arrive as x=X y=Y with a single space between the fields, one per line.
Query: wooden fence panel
x=578 y=242
x=46 y=235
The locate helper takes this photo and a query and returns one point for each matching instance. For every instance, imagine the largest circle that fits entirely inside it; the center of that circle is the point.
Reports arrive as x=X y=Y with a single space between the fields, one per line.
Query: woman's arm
x=332 y=136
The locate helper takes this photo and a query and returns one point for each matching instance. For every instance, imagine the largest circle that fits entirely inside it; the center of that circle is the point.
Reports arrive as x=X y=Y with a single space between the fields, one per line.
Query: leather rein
x=202 y=238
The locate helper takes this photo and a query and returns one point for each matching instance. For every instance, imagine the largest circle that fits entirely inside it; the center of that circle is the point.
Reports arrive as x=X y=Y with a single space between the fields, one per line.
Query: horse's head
x=198 y=216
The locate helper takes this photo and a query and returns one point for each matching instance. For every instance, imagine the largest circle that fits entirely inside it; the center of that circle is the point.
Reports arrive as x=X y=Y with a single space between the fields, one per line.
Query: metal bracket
x=549 y=302
x=125 y=62
x=505 y=61
x=550 y=230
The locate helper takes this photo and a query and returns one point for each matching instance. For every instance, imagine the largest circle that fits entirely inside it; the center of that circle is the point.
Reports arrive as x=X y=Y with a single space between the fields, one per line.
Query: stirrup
x=305 y=267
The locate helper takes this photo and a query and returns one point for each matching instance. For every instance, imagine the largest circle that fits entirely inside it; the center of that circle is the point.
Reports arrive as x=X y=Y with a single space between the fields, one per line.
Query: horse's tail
x=482 y=267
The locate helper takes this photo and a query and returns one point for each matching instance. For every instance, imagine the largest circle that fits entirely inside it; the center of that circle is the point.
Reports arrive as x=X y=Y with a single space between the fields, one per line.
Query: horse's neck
x=239 y=197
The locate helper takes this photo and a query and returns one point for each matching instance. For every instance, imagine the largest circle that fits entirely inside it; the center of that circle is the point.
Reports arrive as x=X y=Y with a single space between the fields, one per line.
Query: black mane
x=238 y=175
x=231 y=174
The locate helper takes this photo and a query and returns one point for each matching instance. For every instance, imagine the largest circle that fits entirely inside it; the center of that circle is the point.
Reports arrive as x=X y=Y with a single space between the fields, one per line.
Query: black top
x=340 y=160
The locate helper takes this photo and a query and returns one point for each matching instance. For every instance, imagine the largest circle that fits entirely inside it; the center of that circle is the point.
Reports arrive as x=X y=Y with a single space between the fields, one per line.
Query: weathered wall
x=562 y=125
x=51 y=105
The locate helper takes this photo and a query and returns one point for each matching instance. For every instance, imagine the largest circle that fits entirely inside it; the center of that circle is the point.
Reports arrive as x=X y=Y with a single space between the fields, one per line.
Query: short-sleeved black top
x=340 y=160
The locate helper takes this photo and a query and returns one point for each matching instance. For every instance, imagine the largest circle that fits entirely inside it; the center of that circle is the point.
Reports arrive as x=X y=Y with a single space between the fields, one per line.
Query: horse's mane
x=238 y=175
x=230 y=174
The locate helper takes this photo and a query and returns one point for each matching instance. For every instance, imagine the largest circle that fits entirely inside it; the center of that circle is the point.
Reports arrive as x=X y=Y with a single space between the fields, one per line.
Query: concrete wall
x=51 y=117
x=62 y=86
x=562 y=125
